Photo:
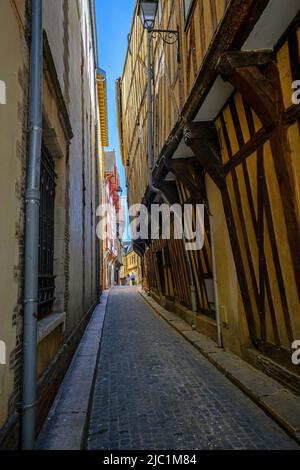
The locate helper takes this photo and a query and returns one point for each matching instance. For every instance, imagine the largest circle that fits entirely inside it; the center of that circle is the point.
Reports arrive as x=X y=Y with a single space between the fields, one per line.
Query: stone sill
x=48 y=324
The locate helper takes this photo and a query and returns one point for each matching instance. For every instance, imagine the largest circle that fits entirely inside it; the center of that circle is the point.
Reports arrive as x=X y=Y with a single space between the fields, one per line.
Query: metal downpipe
x=32 y=200
x=150 y=169
x=216 y=291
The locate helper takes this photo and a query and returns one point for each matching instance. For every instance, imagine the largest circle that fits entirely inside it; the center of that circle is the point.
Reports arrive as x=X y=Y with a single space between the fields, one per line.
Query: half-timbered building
x=225 y=134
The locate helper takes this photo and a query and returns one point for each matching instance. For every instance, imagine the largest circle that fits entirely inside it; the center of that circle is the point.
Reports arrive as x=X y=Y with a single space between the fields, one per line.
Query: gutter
x=215 y=281
x=32 y=201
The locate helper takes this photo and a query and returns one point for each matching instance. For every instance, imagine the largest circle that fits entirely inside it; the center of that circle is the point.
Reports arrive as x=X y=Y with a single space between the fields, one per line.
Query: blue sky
x=114 y=19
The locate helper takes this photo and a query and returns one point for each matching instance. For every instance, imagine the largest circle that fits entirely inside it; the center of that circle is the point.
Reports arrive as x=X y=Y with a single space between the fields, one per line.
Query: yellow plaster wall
x=228 y=288
x=277 y=212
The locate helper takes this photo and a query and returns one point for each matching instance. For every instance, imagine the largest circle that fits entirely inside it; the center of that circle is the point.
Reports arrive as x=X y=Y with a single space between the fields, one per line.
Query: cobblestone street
x=155 y=391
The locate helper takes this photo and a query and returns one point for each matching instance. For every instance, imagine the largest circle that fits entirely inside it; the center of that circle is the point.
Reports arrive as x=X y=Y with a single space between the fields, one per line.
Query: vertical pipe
x=150 y=167
x=216 y=293
x=150 y=108
x=32 y=200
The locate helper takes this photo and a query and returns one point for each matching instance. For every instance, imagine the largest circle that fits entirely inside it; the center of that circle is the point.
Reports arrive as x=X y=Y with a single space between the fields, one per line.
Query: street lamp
x=147 y=12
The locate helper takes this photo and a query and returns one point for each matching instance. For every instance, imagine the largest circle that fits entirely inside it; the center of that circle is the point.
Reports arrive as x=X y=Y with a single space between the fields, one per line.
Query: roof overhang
x=102 y=103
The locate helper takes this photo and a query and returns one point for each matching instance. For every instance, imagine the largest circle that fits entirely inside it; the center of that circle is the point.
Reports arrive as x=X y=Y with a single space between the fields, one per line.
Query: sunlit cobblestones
x=154 y=391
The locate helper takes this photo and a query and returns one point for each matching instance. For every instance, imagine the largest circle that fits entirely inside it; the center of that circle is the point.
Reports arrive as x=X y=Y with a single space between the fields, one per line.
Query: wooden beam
x=248 y=149
x=241 y=69
x=241 y=17
x=292 y=114
x=231 y=61
x=139 y=248
x=170 y=190
x=255 y=13
x=240 y=269
x=203 y=139
x=185 y=171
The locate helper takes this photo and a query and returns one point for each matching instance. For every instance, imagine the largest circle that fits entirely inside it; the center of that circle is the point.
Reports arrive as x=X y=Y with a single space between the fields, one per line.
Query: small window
x=187 y=8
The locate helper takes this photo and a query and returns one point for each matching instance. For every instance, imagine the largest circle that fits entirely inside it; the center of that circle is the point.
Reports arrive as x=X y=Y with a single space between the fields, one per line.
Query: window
x=187 y=8
x=46 y=236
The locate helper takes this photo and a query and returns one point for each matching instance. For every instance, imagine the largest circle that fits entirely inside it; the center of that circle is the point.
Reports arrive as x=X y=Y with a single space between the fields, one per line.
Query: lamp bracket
x=168 y=36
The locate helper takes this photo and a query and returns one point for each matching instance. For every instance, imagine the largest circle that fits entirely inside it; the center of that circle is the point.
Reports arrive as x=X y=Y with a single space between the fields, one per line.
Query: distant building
x=103 y=143
x=131 y=265
x=112 y=246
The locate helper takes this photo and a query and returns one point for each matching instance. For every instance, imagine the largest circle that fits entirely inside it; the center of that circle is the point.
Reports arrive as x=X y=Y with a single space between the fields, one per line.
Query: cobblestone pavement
x=155 y=391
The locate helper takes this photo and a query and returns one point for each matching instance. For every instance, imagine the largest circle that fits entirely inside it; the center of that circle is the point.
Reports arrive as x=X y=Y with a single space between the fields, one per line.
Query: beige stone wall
x=82 y=165
x=69 y=33
x=13 y=60
x=68 y=29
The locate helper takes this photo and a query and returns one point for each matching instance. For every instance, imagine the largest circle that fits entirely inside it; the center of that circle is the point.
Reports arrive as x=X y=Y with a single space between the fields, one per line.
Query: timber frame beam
x=202 y=138
x=237 y=24
x=262 y=90
x=169 y=189
x=139 y=248
x=234 y=29
x=185 y=171
x=243 y=71
x=231 y=61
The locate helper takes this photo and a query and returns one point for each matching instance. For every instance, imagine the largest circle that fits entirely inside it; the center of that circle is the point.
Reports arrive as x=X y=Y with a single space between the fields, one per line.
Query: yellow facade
x=103 y=142
x=225 y=133
x=132 y=264
x=103 y=118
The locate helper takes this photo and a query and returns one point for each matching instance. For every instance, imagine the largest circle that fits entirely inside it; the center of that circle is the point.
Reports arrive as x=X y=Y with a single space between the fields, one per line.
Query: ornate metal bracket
x=168 y=36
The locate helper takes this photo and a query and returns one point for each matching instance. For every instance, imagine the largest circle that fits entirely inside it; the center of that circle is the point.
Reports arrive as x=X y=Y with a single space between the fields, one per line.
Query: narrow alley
x=155 y=391
x=150 y=261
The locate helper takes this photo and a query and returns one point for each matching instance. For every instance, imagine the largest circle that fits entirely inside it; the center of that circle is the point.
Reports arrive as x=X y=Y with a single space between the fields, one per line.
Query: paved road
x=155 y=391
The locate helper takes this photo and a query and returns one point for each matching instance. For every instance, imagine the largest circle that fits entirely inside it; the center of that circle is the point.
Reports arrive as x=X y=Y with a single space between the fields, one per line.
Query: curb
x=276 y=401
x=66 y=425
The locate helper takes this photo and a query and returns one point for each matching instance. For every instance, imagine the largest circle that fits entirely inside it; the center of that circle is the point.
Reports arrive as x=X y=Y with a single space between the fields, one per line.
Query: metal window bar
x=46 y=244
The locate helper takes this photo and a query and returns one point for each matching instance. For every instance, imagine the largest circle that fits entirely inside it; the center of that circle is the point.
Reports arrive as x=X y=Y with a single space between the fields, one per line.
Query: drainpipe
x=216 y=292
x=150 y=170
x=32 y=200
